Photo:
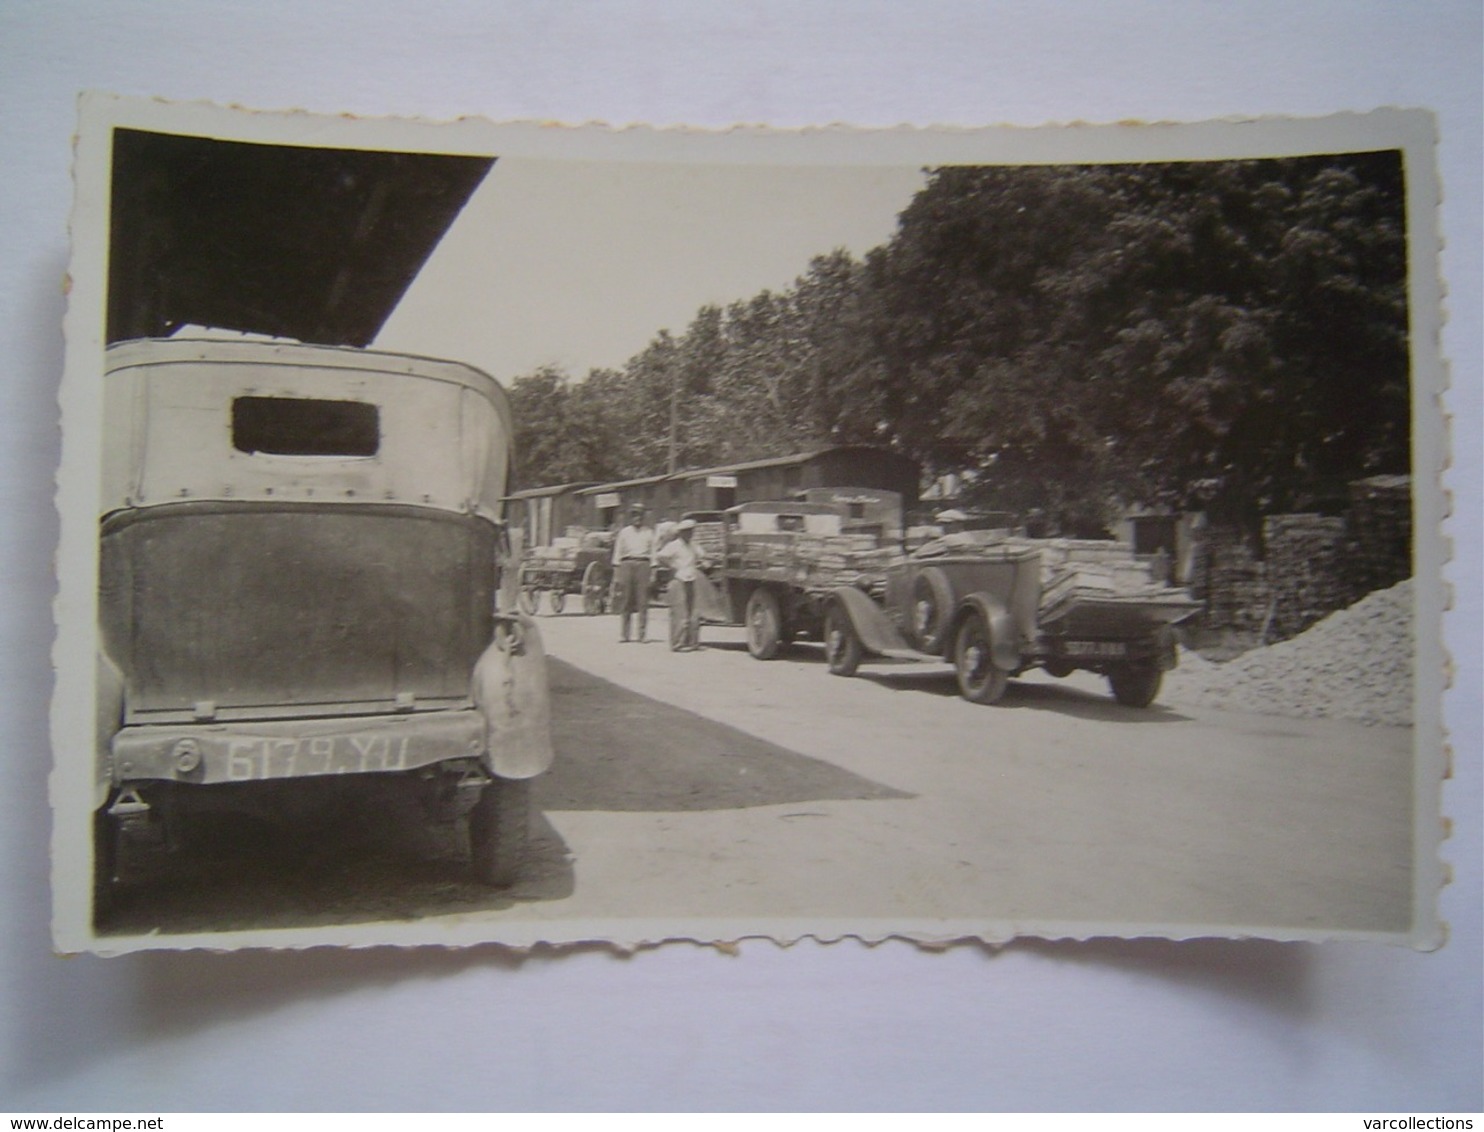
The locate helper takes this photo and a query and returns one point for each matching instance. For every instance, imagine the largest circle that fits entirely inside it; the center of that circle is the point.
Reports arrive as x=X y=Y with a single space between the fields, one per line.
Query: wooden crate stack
x=1232 y=581
x=1306 y=570
x=1380 y=551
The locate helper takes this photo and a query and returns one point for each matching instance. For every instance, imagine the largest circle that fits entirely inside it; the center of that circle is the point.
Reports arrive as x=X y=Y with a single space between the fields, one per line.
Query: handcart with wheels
x=578 y=566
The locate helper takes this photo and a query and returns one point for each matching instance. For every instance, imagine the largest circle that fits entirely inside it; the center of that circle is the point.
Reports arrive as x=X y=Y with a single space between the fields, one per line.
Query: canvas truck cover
x=297 y=530
x=246 y=420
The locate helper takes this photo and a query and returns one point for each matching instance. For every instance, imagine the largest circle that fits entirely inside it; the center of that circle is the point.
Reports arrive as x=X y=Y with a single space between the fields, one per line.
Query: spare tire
x=932 y=609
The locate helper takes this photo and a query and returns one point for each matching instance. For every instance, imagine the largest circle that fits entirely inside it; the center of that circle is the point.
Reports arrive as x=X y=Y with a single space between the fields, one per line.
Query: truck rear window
x=302 y=426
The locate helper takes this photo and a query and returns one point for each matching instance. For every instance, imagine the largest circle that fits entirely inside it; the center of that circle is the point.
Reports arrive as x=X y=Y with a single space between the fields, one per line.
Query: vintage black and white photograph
x=516 y=534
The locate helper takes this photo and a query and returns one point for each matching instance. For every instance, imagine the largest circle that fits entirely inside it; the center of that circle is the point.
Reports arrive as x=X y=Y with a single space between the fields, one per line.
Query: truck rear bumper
x=269 y=749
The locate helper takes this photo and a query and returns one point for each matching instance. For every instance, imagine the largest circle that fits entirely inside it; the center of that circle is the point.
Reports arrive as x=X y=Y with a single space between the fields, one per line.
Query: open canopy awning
x=313 y=244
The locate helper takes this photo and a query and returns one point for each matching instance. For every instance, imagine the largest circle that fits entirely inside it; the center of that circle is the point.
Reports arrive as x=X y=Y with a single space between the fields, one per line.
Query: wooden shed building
x=876 y=485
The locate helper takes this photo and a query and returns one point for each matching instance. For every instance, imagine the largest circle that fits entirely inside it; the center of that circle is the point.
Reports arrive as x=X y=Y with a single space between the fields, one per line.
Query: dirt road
x=1056 y=804
x=713 y=785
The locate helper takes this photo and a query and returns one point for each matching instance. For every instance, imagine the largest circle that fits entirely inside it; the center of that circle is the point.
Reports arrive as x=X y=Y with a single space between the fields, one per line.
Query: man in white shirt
x=633 y=555
x=685 y=561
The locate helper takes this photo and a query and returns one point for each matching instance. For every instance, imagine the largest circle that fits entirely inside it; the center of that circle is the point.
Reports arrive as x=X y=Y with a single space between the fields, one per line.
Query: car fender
x=872 y=626
x=1004 y=648
x=510 y=689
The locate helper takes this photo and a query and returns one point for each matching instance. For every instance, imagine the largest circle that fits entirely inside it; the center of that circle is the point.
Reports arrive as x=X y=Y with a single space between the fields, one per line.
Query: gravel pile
x=1355 y=664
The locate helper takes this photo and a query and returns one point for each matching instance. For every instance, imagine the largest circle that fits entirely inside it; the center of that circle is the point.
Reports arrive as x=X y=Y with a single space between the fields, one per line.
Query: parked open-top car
x=984 y=609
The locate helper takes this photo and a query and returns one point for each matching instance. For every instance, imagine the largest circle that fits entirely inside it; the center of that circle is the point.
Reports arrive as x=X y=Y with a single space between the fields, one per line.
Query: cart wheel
x=530 y=600
x=594 y=591
x=842 y=647
x=764 y=624
x=558 y=601
x=979 y=679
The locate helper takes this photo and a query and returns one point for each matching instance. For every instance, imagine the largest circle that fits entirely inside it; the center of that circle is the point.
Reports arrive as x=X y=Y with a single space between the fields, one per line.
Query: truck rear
x=299 y=562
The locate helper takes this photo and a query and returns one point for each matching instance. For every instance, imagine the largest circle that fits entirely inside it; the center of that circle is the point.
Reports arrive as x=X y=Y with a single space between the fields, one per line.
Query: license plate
x=279 y=749
x=1096 y=648
x=249 y=757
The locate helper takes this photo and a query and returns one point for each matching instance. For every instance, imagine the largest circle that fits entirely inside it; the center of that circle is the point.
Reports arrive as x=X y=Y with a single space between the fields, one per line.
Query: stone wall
x=1307 y=569
x=1309 y=566
x=1380 y=532
x=1231 y=579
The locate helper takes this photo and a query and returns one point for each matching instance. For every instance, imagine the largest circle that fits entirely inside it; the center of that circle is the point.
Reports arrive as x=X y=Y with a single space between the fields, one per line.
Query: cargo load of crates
x=710 y=539
x=1072 y=570
x=816 y=562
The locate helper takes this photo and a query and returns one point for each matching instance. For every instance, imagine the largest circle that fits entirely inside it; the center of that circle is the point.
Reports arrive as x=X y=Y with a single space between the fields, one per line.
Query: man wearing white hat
x=685 y=562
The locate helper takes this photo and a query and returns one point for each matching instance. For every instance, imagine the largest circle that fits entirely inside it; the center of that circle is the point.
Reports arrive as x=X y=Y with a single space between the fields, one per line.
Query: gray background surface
x=1113 y=1025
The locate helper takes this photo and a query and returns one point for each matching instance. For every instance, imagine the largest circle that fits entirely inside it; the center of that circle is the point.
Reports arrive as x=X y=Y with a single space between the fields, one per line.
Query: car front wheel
x=842 y=647
x=764 y=624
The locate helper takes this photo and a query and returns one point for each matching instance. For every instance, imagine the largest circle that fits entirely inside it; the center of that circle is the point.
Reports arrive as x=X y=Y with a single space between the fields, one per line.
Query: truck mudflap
x=1004 y=648
x=877 y=633
x=510 y=689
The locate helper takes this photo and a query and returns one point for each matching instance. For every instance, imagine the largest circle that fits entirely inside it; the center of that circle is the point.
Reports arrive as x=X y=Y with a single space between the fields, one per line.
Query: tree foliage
x=1225 y=335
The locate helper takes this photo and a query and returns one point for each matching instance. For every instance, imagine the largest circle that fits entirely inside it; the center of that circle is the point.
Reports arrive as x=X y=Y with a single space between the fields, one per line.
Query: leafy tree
x=1226 y=335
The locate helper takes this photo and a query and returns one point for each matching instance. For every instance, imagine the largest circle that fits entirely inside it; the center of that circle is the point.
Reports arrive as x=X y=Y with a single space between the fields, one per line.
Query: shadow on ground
x=930 y=677
x=347 y=866
x=375 y=858
x=622 y=751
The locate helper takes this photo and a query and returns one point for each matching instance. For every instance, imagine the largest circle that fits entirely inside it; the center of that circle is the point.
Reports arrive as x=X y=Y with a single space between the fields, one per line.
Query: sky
x=580 y=264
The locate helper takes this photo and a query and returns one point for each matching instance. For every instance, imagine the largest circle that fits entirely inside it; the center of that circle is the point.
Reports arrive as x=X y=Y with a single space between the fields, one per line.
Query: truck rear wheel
x=1135 y=685
x=499 y=830
x=764 y=624
x=980 y=680
x=842 y=647
x=105 y=864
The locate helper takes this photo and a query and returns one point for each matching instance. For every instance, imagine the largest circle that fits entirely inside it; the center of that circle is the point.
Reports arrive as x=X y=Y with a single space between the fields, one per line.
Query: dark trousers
x=632 y=596
x=685 y=617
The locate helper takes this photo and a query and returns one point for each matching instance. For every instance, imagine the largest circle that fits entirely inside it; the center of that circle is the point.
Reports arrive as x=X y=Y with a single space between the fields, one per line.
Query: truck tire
x=1135 y=685
x=932 y=609
x=764 y=624
x=842 y=646
x=980 y=680
x=105 y=865
x=499 y=830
